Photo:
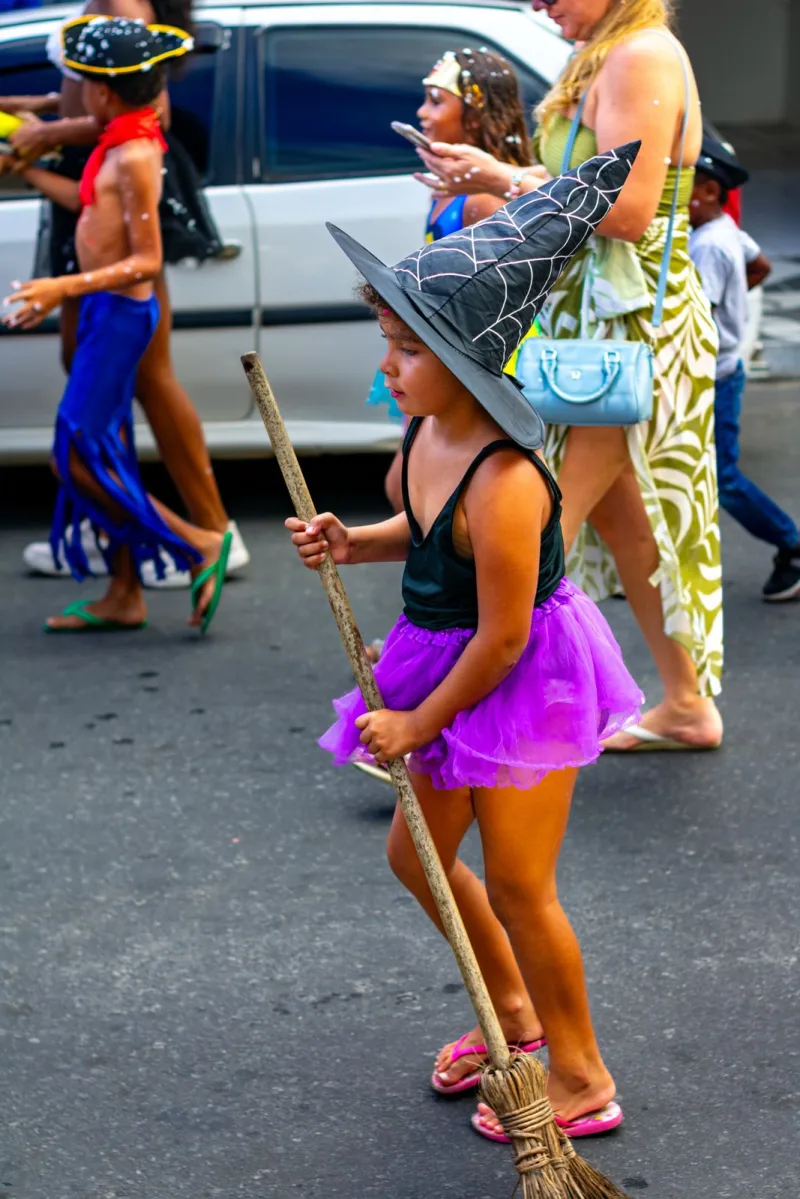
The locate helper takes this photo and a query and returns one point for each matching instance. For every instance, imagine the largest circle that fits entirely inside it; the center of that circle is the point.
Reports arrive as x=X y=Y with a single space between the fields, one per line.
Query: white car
x=286 y=110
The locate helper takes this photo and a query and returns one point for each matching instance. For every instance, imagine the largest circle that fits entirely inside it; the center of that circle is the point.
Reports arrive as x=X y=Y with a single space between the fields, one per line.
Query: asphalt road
x=210 y=984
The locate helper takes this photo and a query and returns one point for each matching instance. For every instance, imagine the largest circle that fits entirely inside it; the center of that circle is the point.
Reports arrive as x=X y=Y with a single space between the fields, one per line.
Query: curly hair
x=374 y=300
x=625 y=17
x=496 y=121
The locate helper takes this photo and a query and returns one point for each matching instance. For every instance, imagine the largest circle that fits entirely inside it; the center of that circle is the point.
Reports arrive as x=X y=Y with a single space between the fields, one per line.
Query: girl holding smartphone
x=472 y=97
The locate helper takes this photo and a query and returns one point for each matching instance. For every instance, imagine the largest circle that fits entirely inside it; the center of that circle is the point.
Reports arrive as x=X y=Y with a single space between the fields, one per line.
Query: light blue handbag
x=581 y=381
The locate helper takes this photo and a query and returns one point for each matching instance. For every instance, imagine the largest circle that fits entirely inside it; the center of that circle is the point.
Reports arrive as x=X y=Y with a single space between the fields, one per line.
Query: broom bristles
x=547 y=1164
x=519 y=1097
x=588 y=1182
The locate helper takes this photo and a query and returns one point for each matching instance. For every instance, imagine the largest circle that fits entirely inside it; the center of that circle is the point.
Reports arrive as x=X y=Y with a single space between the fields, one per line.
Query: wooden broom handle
x=354 y=645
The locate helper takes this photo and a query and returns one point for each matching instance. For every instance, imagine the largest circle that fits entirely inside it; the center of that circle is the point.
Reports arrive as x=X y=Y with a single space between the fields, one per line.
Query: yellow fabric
x=8 y=124
x=550 y=152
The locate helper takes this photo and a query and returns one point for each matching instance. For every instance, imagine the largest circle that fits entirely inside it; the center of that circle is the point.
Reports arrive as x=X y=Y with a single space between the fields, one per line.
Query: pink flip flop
x=589 y=1125
x=470 y=1081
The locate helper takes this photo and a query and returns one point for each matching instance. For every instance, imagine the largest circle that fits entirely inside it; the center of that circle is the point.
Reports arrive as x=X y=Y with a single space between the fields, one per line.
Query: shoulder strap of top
x=506 y=444
x=411 y=433
x=408 y=441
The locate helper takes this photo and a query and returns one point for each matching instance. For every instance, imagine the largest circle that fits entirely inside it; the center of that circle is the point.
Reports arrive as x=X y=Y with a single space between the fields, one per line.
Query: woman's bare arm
x=17 y=105
x=640 y=96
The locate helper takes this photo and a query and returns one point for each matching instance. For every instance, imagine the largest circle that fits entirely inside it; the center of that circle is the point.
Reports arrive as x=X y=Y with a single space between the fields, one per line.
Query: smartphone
x=411 y=134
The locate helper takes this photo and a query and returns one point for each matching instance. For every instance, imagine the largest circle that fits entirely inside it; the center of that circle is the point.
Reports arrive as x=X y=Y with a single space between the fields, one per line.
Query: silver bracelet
x=515 y=186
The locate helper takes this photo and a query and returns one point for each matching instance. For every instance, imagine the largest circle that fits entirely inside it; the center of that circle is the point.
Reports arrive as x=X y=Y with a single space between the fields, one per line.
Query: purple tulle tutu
x=569 y=691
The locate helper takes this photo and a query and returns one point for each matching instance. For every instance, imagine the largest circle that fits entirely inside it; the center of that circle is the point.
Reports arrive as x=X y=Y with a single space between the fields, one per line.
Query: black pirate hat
x=95 y=46
x=718 y=159
x=472 y=296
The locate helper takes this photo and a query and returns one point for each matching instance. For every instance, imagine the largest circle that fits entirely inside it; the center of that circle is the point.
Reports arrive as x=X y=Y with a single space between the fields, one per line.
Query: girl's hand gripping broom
x=513 y=1085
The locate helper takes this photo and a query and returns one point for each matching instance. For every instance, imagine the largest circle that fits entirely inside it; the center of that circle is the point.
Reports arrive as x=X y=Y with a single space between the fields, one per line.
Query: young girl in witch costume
x=119 y=253
x=500 y=678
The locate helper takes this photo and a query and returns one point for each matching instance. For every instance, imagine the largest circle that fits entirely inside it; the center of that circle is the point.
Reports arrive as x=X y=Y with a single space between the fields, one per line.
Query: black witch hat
x=95 y=46
x=473 y=295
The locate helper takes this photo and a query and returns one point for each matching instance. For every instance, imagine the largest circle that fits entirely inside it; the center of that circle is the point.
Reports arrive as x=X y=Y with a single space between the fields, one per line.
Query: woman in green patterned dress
x=640 y=504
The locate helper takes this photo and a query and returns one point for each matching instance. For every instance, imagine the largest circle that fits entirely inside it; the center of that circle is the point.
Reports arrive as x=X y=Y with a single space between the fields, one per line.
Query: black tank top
x=440 y=589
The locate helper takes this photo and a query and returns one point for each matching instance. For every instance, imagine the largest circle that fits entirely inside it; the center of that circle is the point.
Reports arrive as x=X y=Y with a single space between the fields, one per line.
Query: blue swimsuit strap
x=449 y=220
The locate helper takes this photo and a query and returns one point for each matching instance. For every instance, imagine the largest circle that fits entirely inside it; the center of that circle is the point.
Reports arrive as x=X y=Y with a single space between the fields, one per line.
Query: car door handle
x=229 y=251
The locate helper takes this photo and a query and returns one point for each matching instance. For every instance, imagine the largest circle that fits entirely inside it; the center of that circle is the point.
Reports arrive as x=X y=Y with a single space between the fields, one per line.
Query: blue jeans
x=738 y=495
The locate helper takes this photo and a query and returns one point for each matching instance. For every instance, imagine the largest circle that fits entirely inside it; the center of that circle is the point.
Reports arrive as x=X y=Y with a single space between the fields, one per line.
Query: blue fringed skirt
x=95 y=420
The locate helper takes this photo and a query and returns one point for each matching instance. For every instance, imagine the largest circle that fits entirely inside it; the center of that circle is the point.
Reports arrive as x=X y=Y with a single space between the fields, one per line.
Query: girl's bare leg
x=621 y=521
x=599 y=484
x=176 y=425
x=521 y=834
x=123 y=600
x=449 y=814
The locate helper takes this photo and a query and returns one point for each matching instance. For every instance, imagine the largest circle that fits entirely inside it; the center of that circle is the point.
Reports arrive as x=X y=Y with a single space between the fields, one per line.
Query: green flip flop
x=94 y=624
x=217 y=572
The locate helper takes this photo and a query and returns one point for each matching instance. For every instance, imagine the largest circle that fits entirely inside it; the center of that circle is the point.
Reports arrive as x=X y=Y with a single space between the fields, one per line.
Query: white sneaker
x=238 y=559
x=38 y=556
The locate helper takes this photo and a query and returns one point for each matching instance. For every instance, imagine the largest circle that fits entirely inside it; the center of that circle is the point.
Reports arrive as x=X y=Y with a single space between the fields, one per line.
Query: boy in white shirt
x=727 y=271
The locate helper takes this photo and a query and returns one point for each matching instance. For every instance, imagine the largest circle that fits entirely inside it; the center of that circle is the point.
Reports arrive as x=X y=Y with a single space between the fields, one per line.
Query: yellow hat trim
x=186 y=39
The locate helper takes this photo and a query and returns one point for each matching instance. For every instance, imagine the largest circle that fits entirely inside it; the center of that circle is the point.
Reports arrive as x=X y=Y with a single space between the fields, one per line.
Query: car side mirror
x=209 y=38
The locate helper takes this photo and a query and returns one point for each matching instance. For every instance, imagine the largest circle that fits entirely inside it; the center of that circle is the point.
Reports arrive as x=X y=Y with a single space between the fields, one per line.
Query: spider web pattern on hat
x=489 y=281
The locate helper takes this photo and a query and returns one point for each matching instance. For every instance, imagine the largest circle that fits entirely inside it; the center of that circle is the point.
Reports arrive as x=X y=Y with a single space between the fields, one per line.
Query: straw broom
x=514 y=1085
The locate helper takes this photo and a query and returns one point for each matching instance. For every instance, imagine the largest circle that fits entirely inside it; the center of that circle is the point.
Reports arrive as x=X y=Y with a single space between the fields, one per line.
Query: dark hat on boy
x=472 y=296
x=717 y=159
x=96 y=46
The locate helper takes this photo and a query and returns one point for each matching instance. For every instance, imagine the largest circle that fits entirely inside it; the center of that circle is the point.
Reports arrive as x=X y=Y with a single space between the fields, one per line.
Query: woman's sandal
x=591 y=1124
x=92 y=623
x=470 y=1081
x=215 y=571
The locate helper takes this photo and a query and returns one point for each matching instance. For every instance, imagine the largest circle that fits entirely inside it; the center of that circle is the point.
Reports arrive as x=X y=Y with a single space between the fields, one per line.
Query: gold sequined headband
x=450 y=76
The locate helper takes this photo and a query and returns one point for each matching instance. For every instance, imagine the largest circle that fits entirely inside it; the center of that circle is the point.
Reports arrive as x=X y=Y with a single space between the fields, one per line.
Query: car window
x=25 y=70
x=192 y=94
x=329 y=96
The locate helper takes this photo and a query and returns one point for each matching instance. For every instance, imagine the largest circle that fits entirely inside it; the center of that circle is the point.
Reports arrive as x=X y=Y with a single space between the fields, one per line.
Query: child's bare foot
x=697 y=726
x=120 y=607
x=568 y=1104
x=450 y=1072
x=374 y=651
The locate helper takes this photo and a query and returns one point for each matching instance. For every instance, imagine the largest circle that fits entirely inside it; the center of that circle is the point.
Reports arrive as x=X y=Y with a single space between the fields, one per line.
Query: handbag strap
x=573 y=134
x=663 y=276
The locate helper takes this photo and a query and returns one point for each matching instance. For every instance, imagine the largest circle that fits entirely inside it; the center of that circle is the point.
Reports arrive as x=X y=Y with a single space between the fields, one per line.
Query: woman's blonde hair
x=623 y=18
